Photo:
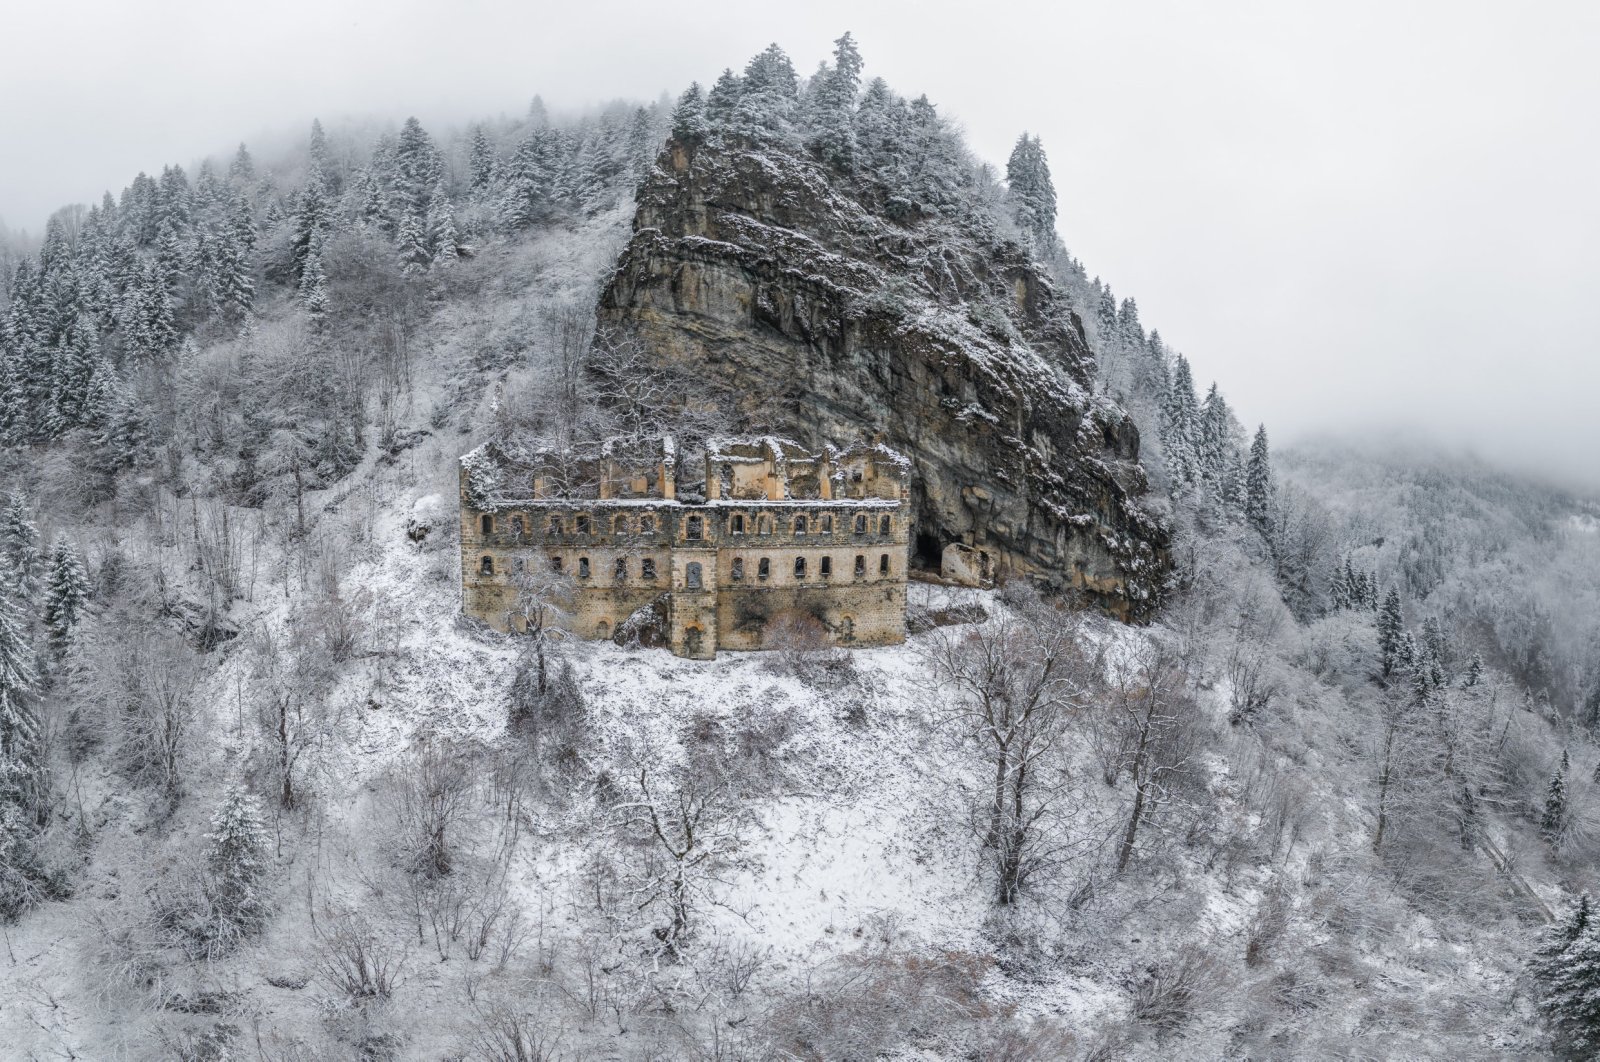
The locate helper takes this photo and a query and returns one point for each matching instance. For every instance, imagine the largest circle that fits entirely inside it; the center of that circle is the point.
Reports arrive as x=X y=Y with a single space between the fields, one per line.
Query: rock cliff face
x=796 y=300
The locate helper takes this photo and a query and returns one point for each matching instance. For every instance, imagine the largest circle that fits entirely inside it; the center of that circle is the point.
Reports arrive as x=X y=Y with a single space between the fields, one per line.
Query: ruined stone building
x=714 y=551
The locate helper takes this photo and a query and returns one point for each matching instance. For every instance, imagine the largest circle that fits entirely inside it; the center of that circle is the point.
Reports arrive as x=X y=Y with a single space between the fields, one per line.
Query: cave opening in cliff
x=928 y=553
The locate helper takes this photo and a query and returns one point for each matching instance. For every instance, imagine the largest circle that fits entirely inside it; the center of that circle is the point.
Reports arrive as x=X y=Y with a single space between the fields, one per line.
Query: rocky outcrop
x=808 y=312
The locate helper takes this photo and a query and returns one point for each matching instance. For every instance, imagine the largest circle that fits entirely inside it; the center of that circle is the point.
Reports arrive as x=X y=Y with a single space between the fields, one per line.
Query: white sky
x=1350 y=214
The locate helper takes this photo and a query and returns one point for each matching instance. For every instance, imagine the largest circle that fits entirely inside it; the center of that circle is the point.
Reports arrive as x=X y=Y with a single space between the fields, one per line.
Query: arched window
x=583 y=523
x=861 y=565
x=691 y=577
x=620 y=571
x=800 y=525
x=737 y=569
x=619 y=524
x=827 y=567
x=647 y=524
x=799 y=567
x=861 y=523
x=736 y=524
x=693 y=528
x=883 y=564
x=602 y=629
x=555 y=565
x=517 y=525
x=826 y=521
x=764 y=524
x=554 y=527
x=884 y=525
x=487 y=524
x=764 y=568
x=486 y=566
x=647 y=568
x=583 y=567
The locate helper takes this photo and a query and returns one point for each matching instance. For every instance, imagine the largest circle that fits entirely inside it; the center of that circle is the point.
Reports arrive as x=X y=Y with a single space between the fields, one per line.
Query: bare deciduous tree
x=1010 y=686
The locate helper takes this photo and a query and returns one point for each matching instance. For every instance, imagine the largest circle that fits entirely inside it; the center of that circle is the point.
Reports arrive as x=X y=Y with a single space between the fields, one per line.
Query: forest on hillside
x=264 y=794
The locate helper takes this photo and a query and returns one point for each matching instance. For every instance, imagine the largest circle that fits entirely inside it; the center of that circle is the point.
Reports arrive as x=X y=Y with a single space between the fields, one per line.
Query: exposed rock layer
x=813 y=316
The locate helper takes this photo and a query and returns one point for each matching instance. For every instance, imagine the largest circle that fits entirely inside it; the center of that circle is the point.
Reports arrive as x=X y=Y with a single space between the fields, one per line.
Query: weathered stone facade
x=768 y=530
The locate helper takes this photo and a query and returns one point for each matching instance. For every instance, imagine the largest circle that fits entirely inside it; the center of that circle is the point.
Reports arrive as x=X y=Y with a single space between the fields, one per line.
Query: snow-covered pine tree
x=834 y=107
x=236 y=859
x=1031 y=193
x=412 y=241
x=1567 y=967
x=242 y=170
x=1391 y=628
x=689 y=125
x=66 y=593
x=1179 y=427
x=482 y=164
x=314 y=288
x=723 y=99
x=19 y=538
x=1553 y=817
x=442 y=232
x=1258 y=500
x=20 y=750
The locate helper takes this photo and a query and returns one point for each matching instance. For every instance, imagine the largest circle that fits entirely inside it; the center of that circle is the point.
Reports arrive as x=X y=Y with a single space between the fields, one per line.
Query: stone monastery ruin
x=712 y=555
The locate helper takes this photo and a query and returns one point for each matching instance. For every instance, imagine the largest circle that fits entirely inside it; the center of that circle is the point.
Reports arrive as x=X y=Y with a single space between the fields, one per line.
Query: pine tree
x=413 y=243
x=243 y=168
x=1391 y=628
x=236 y=858
x=19 y=538
x=24 y=781
x=1474 y=672
x=1031 y=193
x=1567 y=967
x=482 y=163
x=834 y=109
x=1553 y=818
x=689 y=124
x=314 y=289
x=66 y=594
x=723 y=100
x=442 y=232
x=1258 y=507
x=1179 y=427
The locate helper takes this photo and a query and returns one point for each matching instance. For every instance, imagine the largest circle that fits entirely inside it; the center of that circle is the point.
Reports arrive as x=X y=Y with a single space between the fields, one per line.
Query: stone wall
x=855 y=553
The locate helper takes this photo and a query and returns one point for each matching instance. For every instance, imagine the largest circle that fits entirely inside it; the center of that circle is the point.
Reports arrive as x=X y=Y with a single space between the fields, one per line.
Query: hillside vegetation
x=264 y=794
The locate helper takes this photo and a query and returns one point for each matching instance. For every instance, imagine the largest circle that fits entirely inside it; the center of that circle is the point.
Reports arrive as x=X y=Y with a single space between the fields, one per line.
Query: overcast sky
x=1350 y=214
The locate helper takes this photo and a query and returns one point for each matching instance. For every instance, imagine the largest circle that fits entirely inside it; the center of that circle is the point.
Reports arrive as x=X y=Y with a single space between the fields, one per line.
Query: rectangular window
x=647 y=568
x=647 y=525
x=736 y=524
x=737 y=570
x=619 y=525
x=692 y=528
x=800 y=525
x=827 y=567
x=827 y=524
x=516 y=525
x=861 y=523
x=583 y=567
x=861 y=565
x=883 y=564
x=620 y=572
x=883 y=525
x=554 y=527
x=799 y=567
x=764 y=569
x=583 y=523
x=555 y=564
